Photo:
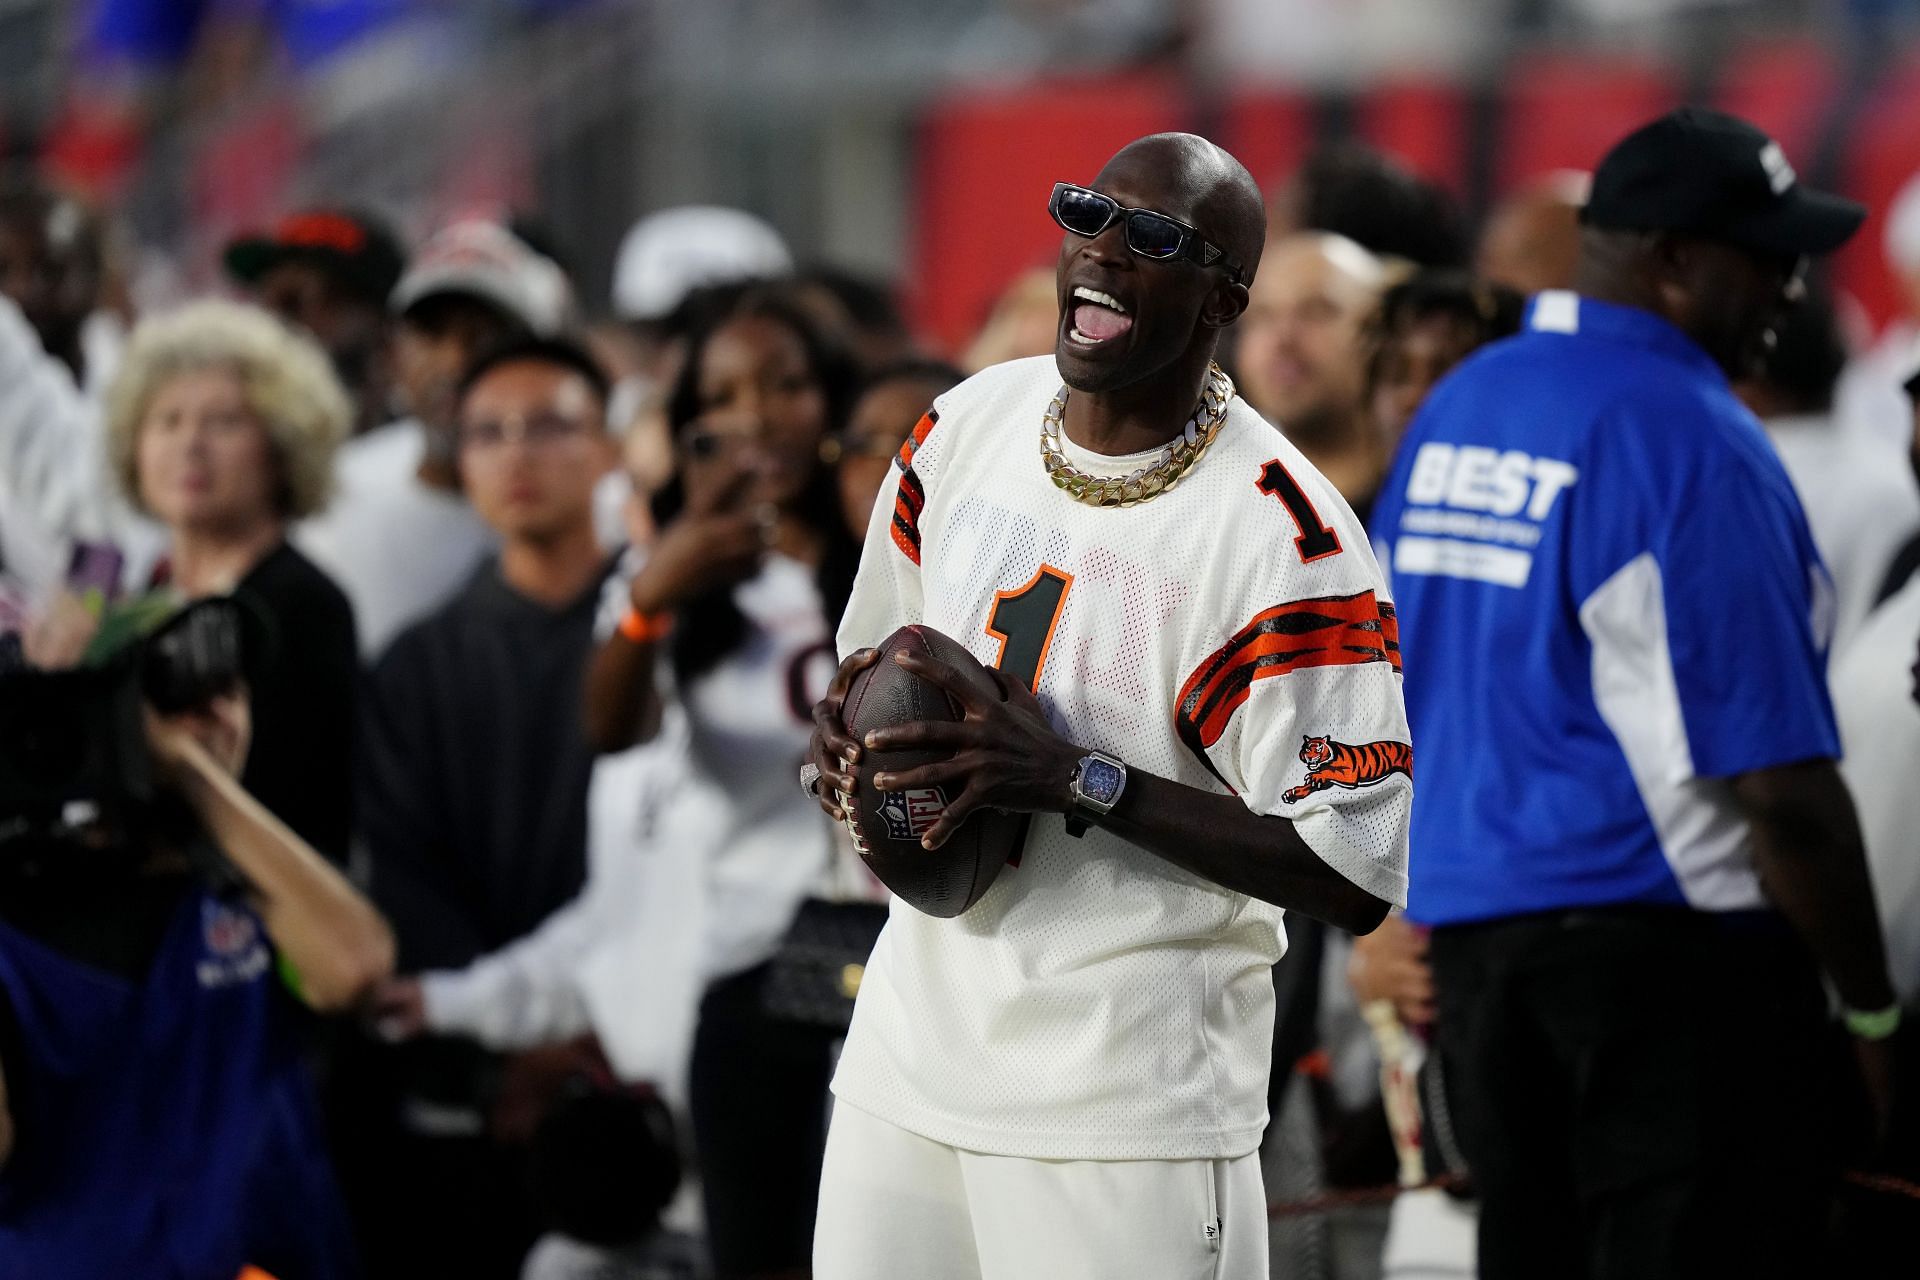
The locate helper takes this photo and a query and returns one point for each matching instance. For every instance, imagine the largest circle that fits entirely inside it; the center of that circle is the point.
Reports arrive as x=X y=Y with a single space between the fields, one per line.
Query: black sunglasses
x=1150 y=235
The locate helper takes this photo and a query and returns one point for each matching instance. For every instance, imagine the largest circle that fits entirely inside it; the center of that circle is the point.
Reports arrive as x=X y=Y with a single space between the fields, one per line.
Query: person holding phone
x=730 y=616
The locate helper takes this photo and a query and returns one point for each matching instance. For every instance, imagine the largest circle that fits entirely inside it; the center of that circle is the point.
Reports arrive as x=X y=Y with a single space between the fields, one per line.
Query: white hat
x=669 y=254
x=484 y=260
x=1901 y=239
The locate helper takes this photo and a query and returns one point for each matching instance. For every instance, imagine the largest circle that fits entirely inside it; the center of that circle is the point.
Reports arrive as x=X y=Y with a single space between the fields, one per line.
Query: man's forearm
x=1219 y=839
x=1007 y=753
x=1814 y=868
x=336 y=941
x=623 y=705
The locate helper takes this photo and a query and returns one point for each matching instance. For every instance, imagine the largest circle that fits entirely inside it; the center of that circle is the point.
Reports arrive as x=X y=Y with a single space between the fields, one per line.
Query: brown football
x=887 y=825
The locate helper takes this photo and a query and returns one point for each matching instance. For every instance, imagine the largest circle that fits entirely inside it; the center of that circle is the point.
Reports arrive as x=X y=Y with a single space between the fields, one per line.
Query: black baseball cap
x=1715 y=175
x=355 y=248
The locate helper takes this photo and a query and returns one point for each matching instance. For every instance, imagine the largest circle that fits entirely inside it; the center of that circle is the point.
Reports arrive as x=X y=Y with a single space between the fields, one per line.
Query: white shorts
x=894 y=1204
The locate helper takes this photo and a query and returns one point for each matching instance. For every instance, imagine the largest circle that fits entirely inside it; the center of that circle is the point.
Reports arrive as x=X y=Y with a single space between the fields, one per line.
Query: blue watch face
x=1101 y=781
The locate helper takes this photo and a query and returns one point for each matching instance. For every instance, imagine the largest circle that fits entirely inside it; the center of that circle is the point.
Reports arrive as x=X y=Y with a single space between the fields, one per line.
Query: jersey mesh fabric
x=1100 y=1002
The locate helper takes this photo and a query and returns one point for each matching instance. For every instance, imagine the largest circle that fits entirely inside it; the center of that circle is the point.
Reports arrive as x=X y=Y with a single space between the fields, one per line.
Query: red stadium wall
x=1422 y=122
x=1560 y=111
x=1882 y=150
x=987 y=160
x=988 y=157
x=1269 y=131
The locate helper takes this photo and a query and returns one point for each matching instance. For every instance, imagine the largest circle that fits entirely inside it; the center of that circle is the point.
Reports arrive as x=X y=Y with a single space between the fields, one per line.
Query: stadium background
x=904 y=140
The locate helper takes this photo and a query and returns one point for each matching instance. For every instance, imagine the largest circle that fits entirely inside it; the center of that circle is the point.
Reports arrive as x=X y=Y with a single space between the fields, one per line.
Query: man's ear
x=1227 y=303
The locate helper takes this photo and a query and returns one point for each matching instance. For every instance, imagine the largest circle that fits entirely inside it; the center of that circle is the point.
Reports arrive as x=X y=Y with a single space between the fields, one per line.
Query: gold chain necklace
x=1149 y=481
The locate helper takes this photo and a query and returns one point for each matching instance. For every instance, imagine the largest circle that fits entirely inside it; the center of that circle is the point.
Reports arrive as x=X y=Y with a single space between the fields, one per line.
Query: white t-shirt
x=1100 y=1002
x=59 y=483
x=624 y=958
x=1861 y=504
x=750 y=718
x=1870 y=404
x=397 y=547
x=1880 y=735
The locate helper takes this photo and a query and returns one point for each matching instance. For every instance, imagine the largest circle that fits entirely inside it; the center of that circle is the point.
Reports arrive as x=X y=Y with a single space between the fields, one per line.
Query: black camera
x=74 y=766
x=193 y=659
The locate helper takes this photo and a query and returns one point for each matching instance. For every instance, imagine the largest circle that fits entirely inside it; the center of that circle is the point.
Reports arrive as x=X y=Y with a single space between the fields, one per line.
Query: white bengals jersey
x=1233 y=634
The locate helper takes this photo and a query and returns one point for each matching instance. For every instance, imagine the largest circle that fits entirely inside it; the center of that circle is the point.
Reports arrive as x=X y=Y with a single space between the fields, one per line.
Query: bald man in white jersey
x=1202 y=710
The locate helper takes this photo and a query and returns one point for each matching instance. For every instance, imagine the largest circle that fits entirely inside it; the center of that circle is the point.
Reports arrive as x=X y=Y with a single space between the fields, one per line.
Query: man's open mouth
x=1097 y=317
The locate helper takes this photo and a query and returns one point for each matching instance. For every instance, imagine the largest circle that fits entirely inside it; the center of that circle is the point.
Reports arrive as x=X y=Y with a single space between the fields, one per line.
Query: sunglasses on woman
x=1149 y=235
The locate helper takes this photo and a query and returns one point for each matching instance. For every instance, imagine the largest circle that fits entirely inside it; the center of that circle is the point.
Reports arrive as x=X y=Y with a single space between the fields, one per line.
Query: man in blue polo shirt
x=1630 y=838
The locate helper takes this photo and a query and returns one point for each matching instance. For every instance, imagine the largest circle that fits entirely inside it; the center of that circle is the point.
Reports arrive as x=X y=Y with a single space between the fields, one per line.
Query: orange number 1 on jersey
x=1023 y=621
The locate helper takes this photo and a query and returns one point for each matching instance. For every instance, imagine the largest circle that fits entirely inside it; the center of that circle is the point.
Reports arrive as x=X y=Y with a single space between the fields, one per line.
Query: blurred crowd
x=542 y=600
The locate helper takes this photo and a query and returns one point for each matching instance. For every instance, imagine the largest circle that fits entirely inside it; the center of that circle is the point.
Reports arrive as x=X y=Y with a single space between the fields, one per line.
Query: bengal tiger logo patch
x=1335 y=764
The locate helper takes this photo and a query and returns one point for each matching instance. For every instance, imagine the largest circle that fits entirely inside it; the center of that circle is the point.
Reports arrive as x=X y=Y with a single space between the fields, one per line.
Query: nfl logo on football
x=911 y=814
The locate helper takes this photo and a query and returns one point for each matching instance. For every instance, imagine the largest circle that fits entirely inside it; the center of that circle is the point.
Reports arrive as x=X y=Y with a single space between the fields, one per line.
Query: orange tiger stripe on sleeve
x=908 y=501
x=911 y=497
x=921 y=430
x=1326 y=632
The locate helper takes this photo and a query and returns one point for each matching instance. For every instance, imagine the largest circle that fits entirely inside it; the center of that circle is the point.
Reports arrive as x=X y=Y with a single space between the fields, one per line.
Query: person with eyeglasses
x=1200 y=709
x=474 y=798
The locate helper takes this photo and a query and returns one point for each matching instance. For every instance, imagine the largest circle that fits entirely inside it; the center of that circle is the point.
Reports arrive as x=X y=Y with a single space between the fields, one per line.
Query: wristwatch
x=1098 y=783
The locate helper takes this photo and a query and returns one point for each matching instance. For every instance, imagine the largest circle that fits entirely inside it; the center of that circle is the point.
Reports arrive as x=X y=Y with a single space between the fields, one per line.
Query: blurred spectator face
x=1532 y=240
x=436 y=340
x=763 y=413
x=533 y=446
x=1411 y=359
x=1025 y=322
x=306 y=295
x=204 y=458
x=882 y=419
x=352 y=330
x=330 y=273
x=1301 y=351
x=49 y=266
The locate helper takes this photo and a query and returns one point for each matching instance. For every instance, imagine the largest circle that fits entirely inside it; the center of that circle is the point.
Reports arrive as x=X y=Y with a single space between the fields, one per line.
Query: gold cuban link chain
x=1150 y=481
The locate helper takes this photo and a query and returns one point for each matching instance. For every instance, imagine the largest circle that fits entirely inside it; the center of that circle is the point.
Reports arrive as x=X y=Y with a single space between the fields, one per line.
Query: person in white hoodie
x=56 y=490
x=1869 y=404
x=1872 y=678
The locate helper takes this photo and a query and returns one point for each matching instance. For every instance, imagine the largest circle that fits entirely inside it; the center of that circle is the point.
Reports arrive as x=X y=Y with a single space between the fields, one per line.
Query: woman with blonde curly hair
x=221 y=425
